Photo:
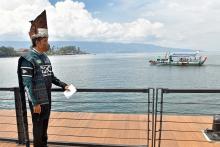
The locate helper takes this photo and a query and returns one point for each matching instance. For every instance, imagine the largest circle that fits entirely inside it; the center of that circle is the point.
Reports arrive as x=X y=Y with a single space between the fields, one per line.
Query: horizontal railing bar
x=91 y=136
x=99 y=119
x=7 y=99
x=191 y=90
x=189 y=103
x=115 y=129
x=7 y=108
x=165 y=90
x=118 y=112
x=7 y=123
x=98 y=102
x=172 y=112
x=132 y=90
x=190 y=122
x=170 y=139
x=88 y=144
x=107 y=90
x=194 y=131
x=95 y=128
x=8 y=131
x=9 y=140
x=7 y=89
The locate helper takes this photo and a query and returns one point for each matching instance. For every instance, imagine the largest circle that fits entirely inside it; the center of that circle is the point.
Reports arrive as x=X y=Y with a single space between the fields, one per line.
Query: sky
x=190 y=24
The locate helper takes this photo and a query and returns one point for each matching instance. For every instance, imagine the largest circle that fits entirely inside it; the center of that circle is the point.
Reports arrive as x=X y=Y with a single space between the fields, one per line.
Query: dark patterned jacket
x=36 y=77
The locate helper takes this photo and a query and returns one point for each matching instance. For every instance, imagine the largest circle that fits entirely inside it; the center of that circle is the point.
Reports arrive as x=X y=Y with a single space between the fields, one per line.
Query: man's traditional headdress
x=39 y=26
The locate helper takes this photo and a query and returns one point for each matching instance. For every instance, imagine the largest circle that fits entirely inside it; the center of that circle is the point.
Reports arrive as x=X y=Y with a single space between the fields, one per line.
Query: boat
x=180 y=59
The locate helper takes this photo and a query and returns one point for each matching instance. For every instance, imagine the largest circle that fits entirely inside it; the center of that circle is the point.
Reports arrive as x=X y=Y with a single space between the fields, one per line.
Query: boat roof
x=183 y=54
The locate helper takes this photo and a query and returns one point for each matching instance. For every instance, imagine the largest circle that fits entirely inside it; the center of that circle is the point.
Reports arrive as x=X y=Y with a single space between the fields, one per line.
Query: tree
x=7 y=52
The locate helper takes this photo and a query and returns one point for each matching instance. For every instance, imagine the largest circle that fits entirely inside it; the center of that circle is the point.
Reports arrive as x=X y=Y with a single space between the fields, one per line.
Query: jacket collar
x=37 y=52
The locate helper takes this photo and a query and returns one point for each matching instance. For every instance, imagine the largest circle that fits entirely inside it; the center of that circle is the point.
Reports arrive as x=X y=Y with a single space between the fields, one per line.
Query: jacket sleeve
x=57 y=82
x=27 y=73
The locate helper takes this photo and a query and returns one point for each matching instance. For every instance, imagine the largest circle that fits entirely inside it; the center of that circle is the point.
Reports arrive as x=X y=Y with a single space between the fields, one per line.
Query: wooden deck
x=124 y=129
x=86 y=128
x=179 y=135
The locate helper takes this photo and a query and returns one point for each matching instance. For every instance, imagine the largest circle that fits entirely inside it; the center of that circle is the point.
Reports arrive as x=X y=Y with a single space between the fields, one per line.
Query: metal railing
x=156 y=102
x=162 y=100
x=22 y=121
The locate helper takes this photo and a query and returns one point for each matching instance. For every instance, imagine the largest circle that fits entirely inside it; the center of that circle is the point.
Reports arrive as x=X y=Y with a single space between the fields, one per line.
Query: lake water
x=123 y=71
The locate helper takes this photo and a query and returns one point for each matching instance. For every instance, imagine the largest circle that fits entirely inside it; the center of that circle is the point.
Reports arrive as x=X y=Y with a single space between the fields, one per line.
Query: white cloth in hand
x=70 y=92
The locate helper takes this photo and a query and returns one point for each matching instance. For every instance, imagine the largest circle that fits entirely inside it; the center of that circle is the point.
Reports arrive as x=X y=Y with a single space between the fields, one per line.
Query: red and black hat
x=39 y=26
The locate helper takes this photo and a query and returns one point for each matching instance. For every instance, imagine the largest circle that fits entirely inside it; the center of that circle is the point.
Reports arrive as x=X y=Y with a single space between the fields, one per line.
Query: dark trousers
x=40 y=125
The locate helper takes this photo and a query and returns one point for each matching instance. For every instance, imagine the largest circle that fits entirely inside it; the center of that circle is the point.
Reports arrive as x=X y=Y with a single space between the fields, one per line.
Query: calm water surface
x=123 y=71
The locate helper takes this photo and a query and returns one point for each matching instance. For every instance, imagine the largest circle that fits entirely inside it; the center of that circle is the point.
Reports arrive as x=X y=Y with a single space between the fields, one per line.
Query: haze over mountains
x=100 y=47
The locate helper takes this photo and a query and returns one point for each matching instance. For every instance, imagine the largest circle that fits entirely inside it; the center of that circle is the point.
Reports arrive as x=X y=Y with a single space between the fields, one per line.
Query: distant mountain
x=100 y=47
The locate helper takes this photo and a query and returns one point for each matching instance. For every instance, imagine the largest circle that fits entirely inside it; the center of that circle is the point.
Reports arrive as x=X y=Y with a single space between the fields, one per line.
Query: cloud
x=187 y=23
x=69 y=20
x=15 y=16
x=174 y=23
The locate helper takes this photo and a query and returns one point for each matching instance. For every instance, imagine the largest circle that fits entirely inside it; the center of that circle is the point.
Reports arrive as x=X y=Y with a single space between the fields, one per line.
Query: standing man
x=36 y=77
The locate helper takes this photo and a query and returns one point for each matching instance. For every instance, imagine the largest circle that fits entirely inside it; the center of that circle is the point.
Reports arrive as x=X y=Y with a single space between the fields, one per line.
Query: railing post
x=21 y=116
x=18 y=107
x=161 y=117
x=148 y=117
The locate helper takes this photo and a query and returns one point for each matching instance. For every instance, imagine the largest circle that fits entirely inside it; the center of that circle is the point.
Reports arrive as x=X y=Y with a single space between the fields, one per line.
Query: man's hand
x=37 y=109
x=67 y=88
